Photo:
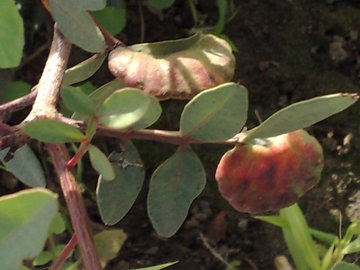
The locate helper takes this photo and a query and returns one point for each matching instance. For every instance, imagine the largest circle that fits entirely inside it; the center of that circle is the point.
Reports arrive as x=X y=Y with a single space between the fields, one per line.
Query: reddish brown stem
x=79 y=154
x=64 y=253
x=76 y=207
x=110 y=40
x=17 y=104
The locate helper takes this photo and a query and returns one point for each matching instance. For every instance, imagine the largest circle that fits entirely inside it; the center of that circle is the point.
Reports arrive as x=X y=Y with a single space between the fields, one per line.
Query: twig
x=56 y=265
x=49 y=85
x=164 y=136
x=76 y=207
x=17 y=104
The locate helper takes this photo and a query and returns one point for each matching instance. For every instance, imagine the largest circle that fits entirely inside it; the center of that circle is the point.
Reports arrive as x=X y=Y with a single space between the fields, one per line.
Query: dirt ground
x=287 y=51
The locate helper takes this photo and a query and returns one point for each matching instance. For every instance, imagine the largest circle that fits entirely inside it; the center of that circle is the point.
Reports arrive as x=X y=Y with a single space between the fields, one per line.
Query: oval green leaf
x=83 y=70
x=52 y=131
x=11 y=34
x=77 y=25
x=77 y=101
x=215 y=114
x=25 y=166
x=107 y=16
x=125 y=108
x=101 y=163
x=151 y=115
x=302 y=114
x=27 y=216
x=108 y=244
x=115 y=198
x=173 y=187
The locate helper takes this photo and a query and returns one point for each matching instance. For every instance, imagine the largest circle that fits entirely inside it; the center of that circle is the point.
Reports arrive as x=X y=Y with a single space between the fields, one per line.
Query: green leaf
x=25 y=166
x=300 y=236
x=112 y=18
x=101 y=163
x=325 y=237
x=26 y=218
x=215 y=114
x=43 y=258
x=52 y=131
x=100 y=95
x=11 y=34
x=125 y=108
x=166 y=47
x=90 y=4
x=108 y=243
x=345 y=266
x=274 y=220
x=77 y=101
x=352 y=247
x=157 y=267
x=173 y=187
x=77 y=25
x=222 y=7
x=58 y=224
x=14 y=90
x=160 y=4
x=302 y=114
x=83 y=70
x=152 y=114
x=115 y=198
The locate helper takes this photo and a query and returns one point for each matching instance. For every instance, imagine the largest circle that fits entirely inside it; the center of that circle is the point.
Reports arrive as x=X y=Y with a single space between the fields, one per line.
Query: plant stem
x=45 y=107
x=49 y=85
x=17 y=104
x=76 y=207
x=56 y=265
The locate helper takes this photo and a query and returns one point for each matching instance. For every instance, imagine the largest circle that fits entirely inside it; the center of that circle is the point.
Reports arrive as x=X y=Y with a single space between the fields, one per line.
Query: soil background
x=287 y=51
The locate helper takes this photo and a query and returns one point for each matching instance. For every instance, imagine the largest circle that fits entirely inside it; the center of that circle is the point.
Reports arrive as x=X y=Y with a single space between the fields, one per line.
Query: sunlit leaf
x=302 y=114
x=215 y=114
x=101 y=163
x=353 y=247
x=52 y=131
x=108 y=243
x=125 y=108
x=11 y=34
x=301 y=242
x=25 y=166
x=345 y=266
x=173 y=187
x=115 y=198
x=26 y=217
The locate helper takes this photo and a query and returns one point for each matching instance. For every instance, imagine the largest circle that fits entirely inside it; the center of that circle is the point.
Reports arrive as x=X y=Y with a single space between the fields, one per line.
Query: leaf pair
x=173 y=187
